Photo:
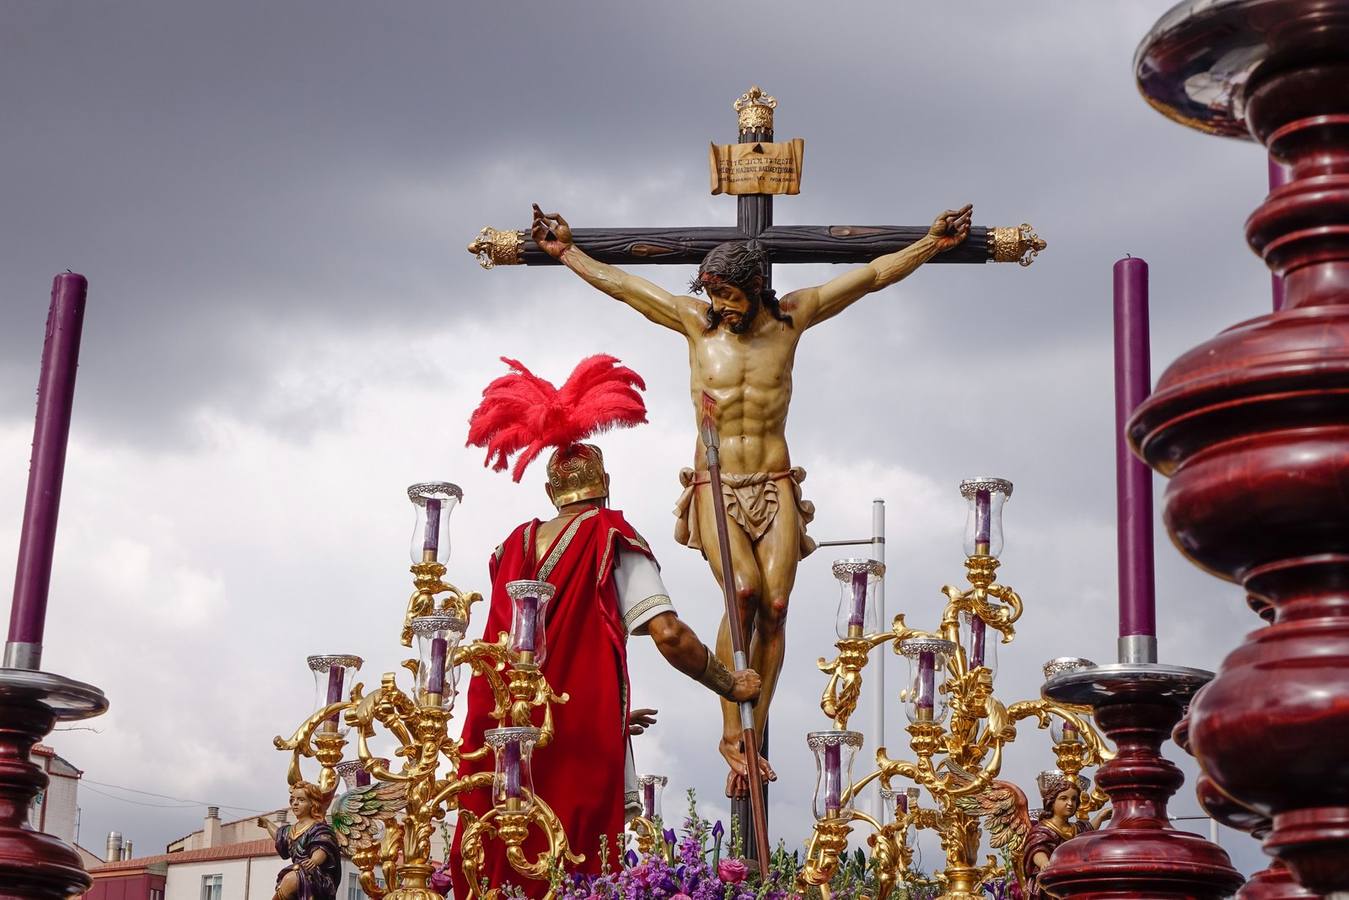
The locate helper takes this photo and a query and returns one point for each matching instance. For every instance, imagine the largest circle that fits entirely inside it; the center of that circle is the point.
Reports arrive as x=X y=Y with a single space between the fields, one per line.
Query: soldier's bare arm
x=682 y=649
x=813 y=305
x=553 y=235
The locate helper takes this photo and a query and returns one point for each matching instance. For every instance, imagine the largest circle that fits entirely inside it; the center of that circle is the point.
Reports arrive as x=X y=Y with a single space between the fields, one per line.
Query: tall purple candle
x=362 y=778
x=511 y=764
x=335 y=676
x=983 y=522
x=649 y=799
x=37 y=540
x=431 y=541
x=1133 y=382
x=529 y=617
x=901 y=804
x=927 y=685
x=435 y=679
x=978 y=635
x=833 y=779
x=858 y=616
x=1279 y=175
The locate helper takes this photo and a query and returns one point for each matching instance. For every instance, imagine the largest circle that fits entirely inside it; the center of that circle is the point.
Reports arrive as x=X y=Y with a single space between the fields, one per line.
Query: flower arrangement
x=693 y=867
x=687 y=867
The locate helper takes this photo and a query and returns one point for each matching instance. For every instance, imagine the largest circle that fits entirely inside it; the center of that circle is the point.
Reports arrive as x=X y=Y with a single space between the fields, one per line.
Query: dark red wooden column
x=1252 y=427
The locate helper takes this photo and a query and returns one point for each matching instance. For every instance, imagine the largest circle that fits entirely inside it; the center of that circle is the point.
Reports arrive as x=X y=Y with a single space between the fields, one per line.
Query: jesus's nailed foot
x=737 y=781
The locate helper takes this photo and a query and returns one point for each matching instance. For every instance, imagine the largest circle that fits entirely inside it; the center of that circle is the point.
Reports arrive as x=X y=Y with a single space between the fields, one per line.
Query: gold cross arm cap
x=1019 y=244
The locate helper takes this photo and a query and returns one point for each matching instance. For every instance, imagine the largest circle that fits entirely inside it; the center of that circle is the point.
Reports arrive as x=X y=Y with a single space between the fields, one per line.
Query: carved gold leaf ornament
x=1018 y=244
x=754 y=109
x=497 y=248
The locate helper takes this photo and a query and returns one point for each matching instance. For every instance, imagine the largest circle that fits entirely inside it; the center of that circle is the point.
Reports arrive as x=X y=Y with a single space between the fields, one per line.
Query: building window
x=156 y=894
x=354 y=891
x=211 y=886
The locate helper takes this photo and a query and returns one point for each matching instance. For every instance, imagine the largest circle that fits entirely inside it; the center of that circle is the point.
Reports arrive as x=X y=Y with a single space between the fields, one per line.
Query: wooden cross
x=754 y=220
x=782 y=243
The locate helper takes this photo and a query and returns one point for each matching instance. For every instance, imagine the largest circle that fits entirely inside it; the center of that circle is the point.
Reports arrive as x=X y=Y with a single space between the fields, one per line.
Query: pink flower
x=681 y=896
x=732 y=871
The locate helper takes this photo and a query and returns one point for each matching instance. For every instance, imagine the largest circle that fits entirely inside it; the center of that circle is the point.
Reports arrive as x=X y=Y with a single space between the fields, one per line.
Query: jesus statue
x=742 y=343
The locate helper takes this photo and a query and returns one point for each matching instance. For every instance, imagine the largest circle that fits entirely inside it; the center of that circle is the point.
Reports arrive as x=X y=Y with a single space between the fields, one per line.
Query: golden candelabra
x=951 y=669
x=426 y=783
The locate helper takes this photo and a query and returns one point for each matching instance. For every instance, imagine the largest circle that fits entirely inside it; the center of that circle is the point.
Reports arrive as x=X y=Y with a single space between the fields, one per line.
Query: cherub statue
x=1030 y=841
x=316 y=843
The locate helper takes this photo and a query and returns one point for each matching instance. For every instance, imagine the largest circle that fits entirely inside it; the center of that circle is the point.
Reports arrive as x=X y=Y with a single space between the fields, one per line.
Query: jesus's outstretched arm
x=553 y=235
x=810 y=306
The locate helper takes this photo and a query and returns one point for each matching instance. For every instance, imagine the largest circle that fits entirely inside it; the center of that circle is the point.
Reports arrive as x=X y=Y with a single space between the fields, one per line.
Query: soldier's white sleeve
x=641 y=593
x=632 y=798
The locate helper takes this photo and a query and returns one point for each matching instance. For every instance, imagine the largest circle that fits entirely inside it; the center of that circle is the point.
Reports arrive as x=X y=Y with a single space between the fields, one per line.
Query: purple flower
x=732 y=871
x=440 y=880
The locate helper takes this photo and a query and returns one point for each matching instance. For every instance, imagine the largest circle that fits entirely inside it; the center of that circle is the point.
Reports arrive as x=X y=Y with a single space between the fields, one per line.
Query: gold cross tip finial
x=755 y=109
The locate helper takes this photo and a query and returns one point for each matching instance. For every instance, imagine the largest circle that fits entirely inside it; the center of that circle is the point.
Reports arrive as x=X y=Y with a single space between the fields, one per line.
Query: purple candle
x=37 y=539
x=362 y=778
x=511 y=764
x=1279 y=175
x=833 y=789
x=927 y=685
x=529 y=615
x=335 y=674
x=978 y=632
x=859 y=602
x=1133 y=381
x=982 y=523
x=431 y=541
x=435 y=679
x=649 y=799
x=901 y=804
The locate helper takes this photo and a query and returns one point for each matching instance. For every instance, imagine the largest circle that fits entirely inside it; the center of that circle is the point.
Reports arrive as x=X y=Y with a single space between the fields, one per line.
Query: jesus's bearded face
x=732 y=307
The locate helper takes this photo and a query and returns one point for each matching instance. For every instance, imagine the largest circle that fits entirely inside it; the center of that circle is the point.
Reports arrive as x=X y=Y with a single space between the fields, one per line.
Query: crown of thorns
x=735 y=263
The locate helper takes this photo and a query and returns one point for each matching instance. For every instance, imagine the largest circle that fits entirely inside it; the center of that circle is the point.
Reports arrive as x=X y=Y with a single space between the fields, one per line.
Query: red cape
x=580 y=774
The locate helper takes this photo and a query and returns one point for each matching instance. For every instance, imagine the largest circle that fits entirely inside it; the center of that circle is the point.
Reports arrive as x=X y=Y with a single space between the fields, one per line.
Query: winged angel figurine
x=1030 y=840
x=315 y=844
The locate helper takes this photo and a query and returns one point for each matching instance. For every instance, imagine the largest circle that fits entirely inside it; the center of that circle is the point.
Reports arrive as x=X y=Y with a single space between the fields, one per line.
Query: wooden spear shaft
x=758 y=811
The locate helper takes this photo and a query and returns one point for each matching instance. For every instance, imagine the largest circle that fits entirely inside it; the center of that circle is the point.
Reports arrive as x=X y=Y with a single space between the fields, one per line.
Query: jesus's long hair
x=736 y=263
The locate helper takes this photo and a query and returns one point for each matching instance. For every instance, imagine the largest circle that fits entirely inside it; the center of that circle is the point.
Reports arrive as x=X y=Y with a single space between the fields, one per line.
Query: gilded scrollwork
x=954 y=763
x=498 y=248
x=1018 y=244
x=754 y=109
x=512 y=829
x=981 y=571
x=427 y=777
x=844 y=687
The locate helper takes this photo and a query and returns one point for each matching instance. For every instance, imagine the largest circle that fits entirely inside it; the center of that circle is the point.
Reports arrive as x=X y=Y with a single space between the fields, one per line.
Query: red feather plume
x=522 y=412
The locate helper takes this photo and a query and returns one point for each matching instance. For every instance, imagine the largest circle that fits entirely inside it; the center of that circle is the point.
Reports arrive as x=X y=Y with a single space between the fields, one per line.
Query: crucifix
x=742 y=342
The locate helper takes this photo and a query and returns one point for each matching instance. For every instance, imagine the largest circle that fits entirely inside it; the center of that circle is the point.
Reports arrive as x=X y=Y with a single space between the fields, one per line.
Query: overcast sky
x=271 y=202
